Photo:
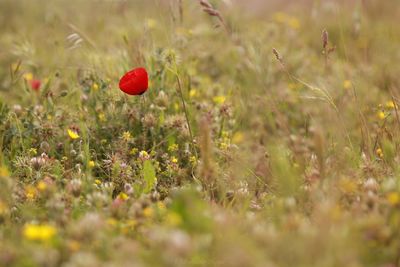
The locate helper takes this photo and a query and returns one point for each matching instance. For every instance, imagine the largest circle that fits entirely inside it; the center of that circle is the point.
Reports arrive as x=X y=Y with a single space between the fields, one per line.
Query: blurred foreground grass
x=295 y=154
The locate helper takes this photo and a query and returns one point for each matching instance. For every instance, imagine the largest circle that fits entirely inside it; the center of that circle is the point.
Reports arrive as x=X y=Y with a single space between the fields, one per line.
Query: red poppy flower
x=35 y=84
x=134 y=82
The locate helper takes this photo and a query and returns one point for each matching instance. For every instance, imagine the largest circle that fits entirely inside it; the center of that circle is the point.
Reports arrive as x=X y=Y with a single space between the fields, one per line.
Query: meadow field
x=269 y=135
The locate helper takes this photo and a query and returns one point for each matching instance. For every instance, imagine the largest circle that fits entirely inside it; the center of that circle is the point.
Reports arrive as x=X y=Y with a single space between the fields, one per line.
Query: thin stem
x=186 y=114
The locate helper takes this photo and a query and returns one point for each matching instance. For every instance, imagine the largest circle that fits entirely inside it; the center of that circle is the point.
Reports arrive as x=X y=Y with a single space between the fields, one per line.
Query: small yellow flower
x=41 y=186
x=379 y=152
x=173 y=148
x=97 y=181
x=72 y=134
x=223 y=145
x=91 y=164
x=133 y=151
x=102 y=117
x=28 y=76
x=42 y=232
x=381 y=115
x=32 y=151
x=393 y=198
x=238 y=138
x=192 y=93
x=95 y=87
x=143 y=155
x=30 y=192
x=391 y=105
x=123 y=196
x=174 y=160
x=176 y=106
x=4 y=171
x=126 y=136
x=161 y=206
x=193 y=160
x=219 y=99
x=347 y=84
x=148 y=212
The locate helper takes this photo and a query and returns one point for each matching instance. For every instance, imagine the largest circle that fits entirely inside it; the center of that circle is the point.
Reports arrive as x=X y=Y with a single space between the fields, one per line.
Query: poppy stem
x=186 y=113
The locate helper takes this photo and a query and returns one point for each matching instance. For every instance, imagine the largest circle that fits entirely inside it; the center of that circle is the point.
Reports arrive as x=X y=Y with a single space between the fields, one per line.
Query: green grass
x=237 y=155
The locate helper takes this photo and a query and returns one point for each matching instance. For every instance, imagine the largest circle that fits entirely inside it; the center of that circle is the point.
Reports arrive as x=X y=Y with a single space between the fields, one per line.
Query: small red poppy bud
x=35 y=84
x=134 y=82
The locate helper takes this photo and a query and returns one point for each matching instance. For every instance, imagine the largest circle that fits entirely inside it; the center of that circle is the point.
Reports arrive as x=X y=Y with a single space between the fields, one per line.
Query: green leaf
x=149 y=175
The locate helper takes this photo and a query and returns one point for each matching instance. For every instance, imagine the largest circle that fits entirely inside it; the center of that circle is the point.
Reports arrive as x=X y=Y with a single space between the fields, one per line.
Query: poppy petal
x=134 y=82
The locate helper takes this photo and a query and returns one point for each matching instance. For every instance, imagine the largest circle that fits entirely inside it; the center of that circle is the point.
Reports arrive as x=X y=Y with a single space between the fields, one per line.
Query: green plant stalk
x=186 y=114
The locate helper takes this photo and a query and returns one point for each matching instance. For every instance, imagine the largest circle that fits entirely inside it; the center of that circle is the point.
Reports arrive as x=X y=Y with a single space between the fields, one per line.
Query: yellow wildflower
x=32 y=151
x=133 y=151
x=102 y=117
x=176 y=106
x=219 y=99
x=379 y=152
x=223 y=145
x=95 y=87
x=4 y=171
x=30 y=192
x=42 y=232
x=126 y=136
x=174 y=160
x=173 y=148
x=72 y=134
x=161 y=206
x=97 y=181
x=143 y=155
x=123 y=196
x=148 y=212
x=193 y=160
x=347 y=84
x=391 y=105
x=393 y=198
x=91 y=164
x=238 y=138
x=192 y=93
x=28 y=76
x=381 y=115
x=41 y=186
